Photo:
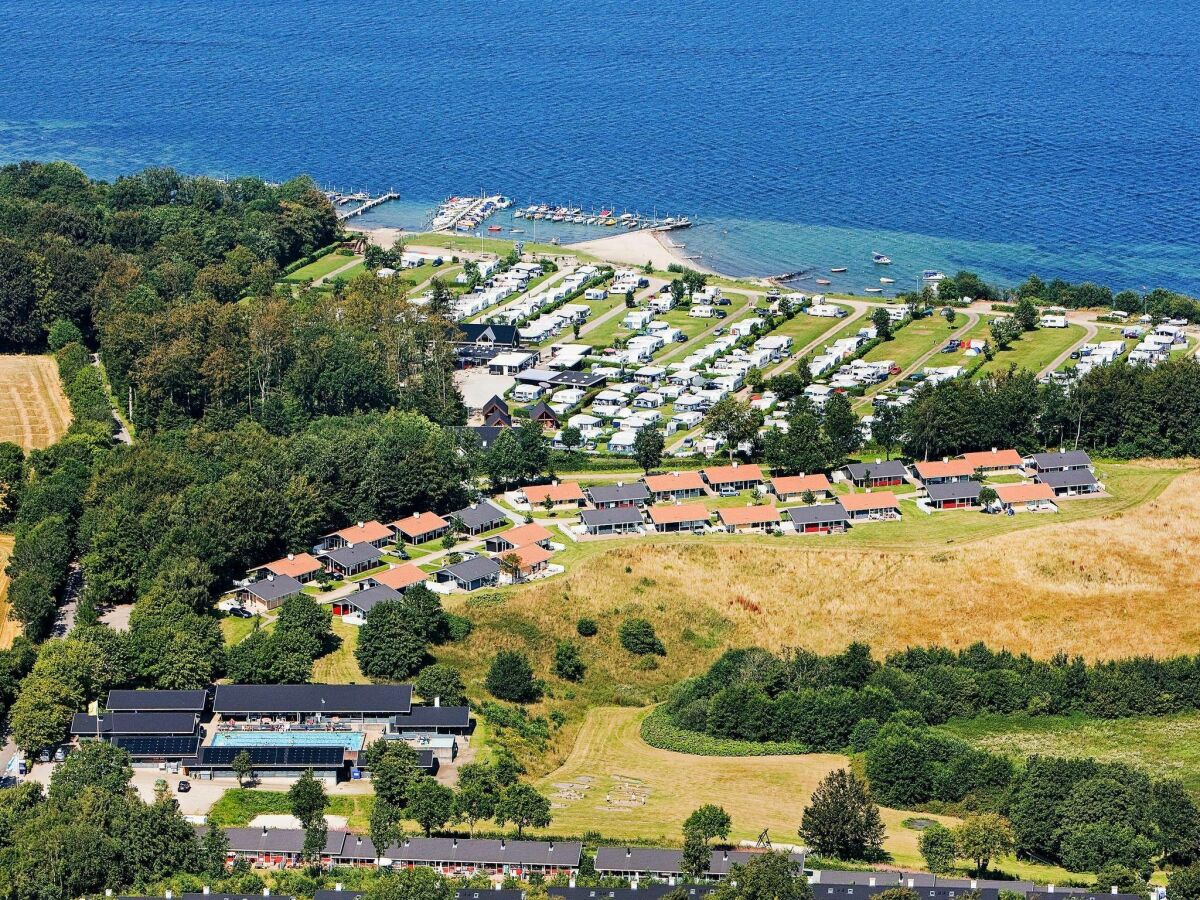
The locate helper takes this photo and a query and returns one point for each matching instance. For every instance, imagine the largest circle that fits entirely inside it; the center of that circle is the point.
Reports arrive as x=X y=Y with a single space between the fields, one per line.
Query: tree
x=678 y=292
x=1025 y=314
x=477 y=794
x=443 y=682
x=95 y=765
x=394 y=771
x=767 y=876
x=949 y=314
x=1184 y=883
x=1176 y=819
x=316 y=831
x=510 y=565
x=988 y=497
x=420 y=883
x=696 y=855
x=842 y=819
x=648 y=448
x=391 y=645
x=243 y=768
x=430 y=805
x=709 y=821
x=524 y=807
x=214 y=851
x=571 y=438
x=842 y=428
x=733 y=420
x=983 y=837
x=307 y=798
x=385 y=825
x=510 y=677
x=885 y=428
x=938 y=848
x=883 y=323
x=638 y=636
x=567 y=665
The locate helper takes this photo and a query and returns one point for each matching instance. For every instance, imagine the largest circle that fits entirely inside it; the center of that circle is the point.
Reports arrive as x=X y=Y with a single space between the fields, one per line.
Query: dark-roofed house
x=1070 y=482
x=156 y=701
x=495 y=405
x=483 y=334
x=1063 y=461
x=360 y=602
x=480 y=517
x=279 y=759
x=351 y=559
x=823 y=518
x=470 y=574
x=498 y=419
x=639 y=862
x=619 y=495
x=621 y=520
x=113 y=724
x=541 y=413
x=877 y=474
x=299 y=702
x=270 y=592
x=641 y=892
x=953 y=494
x=460 y=894
x=485 y=434
x=436 y=719
x=466 y=856
x=583 y=380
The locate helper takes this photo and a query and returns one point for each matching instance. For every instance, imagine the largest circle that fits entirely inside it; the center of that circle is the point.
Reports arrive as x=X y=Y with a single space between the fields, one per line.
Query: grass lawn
x=803 y=329
x=353 y=272
x=328 y=263
x=239 y=806
x=235 y=629
x=1167 y=746
x=1035 y=349
x=911 y=342
x=614 y=783
x=340 y=666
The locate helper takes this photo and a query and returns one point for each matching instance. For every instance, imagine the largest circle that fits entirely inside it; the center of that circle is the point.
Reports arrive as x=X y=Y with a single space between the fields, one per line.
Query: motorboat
x=880 y=260
x=887 y=280
x=838 y=270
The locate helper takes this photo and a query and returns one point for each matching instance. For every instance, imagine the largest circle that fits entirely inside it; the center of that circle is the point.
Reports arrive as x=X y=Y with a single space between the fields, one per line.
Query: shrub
x=587 y=627
x=567 y=665
x=458 y=628
x=441 y=680
x=638 y=636
x=511 y=678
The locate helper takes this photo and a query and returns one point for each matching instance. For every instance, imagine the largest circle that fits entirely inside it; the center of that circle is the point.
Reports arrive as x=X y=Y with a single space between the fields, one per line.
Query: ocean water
x=1005 y=136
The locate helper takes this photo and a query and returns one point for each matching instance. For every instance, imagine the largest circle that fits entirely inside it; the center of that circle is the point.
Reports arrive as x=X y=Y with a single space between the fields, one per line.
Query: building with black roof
x=156 y=701
x=270 y=592
x=1061 y=461
x=351 y=559
x=641 y=892
x=124 y=723
x=480 y=517
x=953 y=494
x=1070 y=482
x=484 y=434
x=882 y=473
x=614 y=496
x=367 y=598
x=283 y=761
x=499 y=337
x=300 y=702
x=435 y=719
x=470 y=574
x=618 y=520
x=822 y=518
x=646 y=862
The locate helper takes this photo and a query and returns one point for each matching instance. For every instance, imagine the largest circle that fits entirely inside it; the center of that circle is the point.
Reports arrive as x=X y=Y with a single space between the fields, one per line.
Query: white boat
x=887 y=280
x=824 y=281
x=838 y=269
x=873 y=290
x=519 y=214
x=515 y=231
x=591 y=220
x=932 y=275
x=880 y=259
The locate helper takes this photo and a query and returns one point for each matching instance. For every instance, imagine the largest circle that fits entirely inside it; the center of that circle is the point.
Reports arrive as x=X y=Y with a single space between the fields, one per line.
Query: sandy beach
x=634 y=248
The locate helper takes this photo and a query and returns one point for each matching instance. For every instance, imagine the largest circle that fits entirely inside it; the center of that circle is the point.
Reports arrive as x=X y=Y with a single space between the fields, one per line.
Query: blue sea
x=1003 y=136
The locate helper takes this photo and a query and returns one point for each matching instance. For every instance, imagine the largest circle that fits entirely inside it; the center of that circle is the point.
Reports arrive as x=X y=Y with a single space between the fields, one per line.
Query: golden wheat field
x=8 y=628
x=34 y=411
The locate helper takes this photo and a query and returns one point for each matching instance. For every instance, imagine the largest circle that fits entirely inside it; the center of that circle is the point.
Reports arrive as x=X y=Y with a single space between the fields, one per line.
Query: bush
x=567 y=664
x=863 y=734
x=441 y=680
x=458 y=628
x=638 y=636
x=587 y=627
x=511 y=678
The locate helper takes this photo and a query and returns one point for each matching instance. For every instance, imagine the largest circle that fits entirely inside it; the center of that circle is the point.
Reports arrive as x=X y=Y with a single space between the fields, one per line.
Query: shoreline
x=634 y=248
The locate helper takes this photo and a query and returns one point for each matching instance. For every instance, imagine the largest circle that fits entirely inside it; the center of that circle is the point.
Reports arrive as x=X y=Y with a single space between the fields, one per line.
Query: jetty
x=366 y=203
x=466 y=213
x=571 y=214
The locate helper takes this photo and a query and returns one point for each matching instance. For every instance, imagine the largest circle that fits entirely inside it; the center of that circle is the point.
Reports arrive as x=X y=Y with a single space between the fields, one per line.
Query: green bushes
x=511 y=678
x=659 y=731
x=587 y=627
x=637 y=636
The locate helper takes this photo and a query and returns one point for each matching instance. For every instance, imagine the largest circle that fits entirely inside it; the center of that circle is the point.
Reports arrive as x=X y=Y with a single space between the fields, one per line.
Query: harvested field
x=8 y=628
x=34 y=411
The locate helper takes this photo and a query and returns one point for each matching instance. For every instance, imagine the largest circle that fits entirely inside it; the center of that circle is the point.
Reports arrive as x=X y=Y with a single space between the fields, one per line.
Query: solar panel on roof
x=274 y=756
x=158 y=746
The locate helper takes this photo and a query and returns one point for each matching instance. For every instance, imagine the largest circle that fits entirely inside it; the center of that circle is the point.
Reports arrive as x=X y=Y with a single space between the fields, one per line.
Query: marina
x=365 y=202
x=604 y=217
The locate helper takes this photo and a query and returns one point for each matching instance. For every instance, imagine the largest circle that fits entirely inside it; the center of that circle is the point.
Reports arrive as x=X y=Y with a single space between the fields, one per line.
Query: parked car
x=724 y=301
x=44 y=755
x=240 y=612
x=60 y=754
x=721 y=314
x=681 y=338
x=184 y=786
x=718 y=332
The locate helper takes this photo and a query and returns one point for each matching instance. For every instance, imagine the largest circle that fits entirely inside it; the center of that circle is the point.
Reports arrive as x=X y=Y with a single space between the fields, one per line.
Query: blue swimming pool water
x=1004 y=136
x=351 y=740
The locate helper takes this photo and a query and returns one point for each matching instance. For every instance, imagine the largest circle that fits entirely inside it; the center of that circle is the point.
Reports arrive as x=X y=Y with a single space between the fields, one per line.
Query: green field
x=1035 y=349
x=340 y=666
x=1167 y=746
x=613 y=329
x=911 y=342
x=328 y=263
x=238 y=807
x=804 y=329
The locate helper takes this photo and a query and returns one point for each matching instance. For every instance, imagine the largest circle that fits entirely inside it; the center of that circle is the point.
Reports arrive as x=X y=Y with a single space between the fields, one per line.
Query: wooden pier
x=367 y=206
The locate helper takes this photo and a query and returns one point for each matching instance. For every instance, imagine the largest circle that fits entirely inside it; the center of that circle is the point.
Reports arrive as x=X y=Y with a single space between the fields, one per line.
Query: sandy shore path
x=636 y=248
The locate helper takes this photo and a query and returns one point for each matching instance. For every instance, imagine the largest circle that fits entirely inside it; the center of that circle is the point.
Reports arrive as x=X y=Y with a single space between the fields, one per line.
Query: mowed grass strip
x=34 y=411
x=340 y=666
x=1035 y=349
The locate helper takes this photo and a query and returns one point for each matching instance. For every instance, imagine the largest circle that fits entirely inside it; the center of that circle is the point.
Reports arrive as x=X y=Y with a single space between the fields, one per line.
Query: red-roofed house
x=301 y=566
x=566 y=493
x=528 y=560
x=943 y=471
x=674 y=486
x=1030 y=496
x=679 y=517
x=994 y=460
x=735 y=477
x=402 y=577
x=374 y=533
x=871 y=505
x=520 y=536
x=420 y=527
x=749 y=518
x=793 y=487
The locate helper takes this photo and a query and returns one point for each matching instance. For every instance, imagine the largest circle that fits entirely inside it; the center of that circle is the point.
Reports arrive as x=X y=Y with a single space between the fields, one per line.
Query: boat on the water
x=838 y=270
x=873 y=290
x=824 y=281
x=932 y=275
x=887 y=280
x=519 y=214
x=515 y=231
x=880 y=260
x=494 y=228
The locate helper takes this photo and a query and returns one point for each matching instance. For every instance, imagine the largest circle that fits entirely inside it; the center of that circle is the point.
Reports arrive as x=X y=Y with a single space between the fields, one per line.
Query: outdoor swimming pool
x=351 y=740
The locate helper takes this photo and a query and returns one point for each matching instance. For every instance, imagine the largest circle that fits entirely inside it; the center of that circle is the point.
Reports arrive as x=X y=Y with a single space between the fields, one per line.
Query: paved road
x=1090 y=330
x=620 y=309
x=971 y=317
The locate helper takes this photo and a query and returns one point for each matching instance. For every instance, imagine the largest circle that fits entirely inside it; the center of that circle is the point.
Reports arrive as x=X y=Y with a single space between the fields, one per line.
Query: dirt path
x=971 y=317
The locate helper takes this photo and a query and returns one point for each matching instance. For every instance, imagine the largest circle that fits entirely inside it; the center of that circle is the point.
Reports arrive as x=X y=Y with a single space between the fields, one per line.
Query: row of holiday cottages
x=524 y=549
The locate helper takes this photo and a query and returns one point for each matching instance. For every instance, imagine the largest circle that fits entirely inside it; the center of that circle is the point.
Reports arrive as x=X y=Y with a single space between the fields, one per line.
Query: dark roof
x=641 y=892
x=273 y=587
x=923 y=882
x=367 y=599
x=817 y=514
x=156 y=701
x=621 y=515
x=668 y=862
x=330 y=699
x=564 y=854
x=480 y=514
x=542 y=409
x=159 y=747
x=892 y=468
x=925 y=892
x=619 y=493
x=494 y=334
x=954 y=490
x=498 y=418
x=336 y=895
x=353 y=555
x=496 y=401
x=282 y=757
x=434 y=717
x=488 y=894
x=485 y=434
x=1067 y=477
x=473 y=569
x=1061 y=460
x=213 y=896
x=279 y=840
x=134 y=723
x=585 y=380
